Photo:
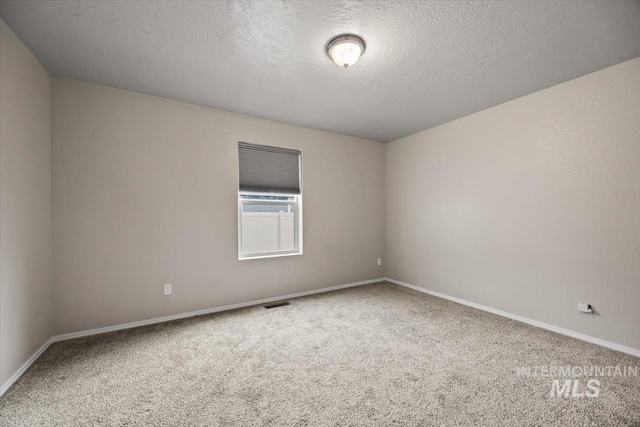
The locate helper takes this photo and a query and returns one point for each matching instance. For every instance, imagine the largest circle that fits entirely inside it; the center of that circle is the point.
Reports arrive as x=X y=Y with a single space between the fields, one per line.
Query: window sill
x=268 y=256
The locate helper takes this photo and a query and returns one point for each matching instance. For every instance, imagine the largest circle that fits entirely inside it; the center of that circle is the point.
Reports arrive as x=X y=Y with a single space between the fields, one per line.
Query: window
x=269 y=202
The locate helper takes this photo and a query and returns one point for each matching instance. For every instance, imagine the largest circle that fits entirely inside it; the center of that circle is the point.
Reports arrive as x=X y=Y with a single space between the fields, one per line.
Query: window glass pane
x=268 y=227
x=276 y=207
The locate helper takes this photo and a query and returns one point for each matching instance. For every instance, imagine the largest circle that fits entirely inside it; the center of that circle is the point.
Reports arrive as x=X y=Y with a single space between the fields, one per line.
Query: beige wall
x=145 y=193
x=528 y=207
x=25 y=204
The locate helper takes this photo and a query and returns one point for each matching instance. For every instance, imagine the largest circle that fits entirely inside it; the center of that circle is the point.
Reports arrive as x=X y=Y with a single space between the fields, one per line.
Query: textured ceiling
x=426 y=63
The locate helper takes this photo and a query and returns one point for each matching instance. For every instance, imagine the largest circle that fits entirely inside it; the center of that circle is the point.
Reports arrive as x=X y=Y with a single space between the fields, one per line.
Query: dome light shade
x=345 y=50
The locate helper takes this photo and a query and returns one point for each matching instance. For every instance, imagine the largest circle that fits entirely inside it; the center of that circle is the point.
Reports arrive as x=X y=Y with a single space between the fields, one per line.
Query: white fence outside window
x=264 y=232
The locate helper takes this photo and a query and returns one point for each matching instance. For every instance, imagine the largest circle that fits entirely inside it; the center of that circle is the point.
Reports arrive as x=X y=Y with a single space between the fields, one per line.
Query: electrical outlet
x=379 y=261
x=585 y=308
x=167 y=289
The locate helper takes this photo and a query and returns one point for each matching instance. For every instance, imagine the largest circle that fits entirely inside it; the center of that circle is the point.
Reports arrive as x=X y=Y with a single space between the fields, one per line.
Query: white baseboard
x=613 y=346
x=96 y=331
x=24 y=367
x=207 y=311
x=624 y=349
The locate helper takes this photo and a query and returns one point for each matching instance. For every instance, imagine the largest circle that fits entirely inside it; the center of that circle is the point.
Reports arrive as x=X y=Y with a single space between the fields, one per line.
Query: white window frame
x=297 y=223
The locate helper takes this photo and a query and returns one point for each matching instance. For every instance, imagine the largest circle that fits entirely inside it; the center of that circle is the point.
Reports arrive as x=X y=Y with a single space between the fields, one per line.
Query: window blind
x=267 y=169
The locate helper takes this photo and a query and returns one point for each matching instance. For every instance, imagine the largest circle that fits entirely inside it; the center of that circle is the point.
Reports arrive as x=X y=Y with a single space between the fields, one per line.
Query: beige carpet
x=372 y=355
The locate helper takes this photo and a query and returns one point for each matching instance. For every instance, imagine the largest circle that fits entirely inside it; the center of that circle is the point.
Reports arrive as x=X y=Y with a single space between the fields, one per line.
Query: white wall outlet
x=167 y=289
x=585 y=308
x=379 y=261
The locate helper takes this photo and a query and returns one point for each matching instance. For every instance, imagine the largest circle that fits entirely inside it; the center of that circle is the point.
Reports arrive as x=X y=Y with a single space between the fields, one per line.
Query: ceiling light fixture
x=345 y=50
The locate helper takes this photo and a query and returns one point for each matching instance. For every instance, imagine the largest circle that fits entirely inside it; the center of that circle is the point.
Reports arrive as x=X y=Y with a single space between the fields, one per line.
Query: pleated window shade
x=265 y=169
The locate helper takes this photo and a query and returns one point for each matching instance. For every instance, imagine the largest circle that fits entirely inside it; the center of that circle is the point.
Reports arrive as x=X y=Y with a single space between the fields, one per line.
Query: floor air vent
x=276 y=304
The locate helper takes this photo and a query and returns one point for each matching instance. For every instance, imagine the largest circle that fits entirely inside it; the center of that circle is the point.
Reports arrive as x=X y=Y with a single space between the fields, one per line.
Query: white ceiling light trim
x=345 y=50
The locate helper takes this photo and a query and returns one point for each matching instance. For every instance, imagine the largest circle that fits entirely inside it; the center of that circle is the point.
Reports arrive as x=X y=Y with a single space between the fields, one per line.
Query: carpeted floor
x=373 y=355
